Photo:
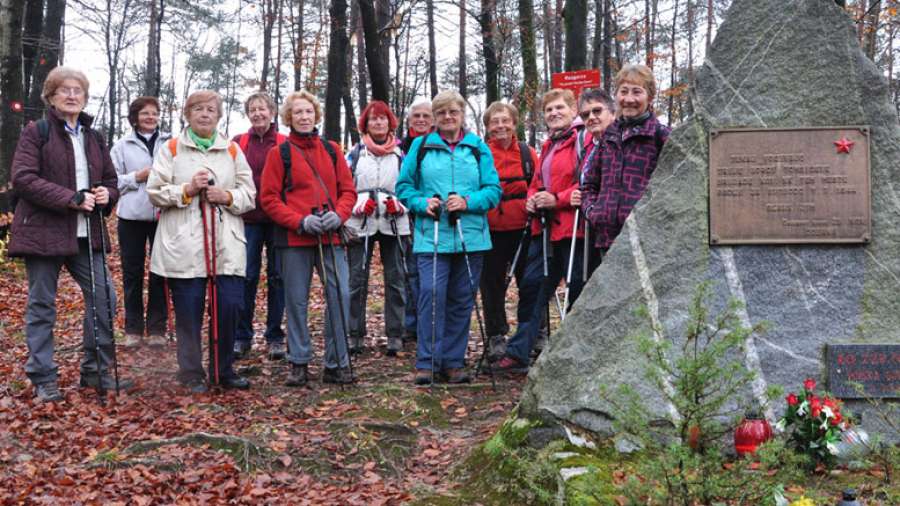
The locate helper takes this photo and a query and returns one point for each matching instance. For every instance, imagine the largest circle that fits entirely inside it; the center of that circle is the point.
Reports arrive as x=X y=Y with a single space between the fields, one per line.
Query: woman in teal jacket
x=449 y=171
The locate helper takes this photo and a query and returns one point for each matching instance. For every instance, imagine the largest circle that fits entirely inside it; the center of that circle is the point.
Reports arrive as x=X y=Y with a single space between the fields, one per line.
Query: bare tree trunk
x=491 y=68
x=362 y=89
x=12 y=92
x=463 y=77
x=607 y=47
x=297 y=43
x=278 y=52
x=152 y=71
x=648 y=34
x=710 y=16
x=268 y=23
x=376 y=53
x=337 y=66
x=674 y=65
x=597 y=50
x=48 y=56
x=529 y=65
x=34 y=20
x=575 y=19
x=870 y=42
x=556 y=57
x=349 y=117
x=432 y=49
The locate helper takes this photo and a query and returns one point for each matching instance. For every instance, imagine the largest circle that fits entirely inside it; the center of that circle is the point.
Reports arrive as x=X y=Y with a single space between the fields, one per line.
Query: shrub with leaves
x=815 y=423
x=706 y=383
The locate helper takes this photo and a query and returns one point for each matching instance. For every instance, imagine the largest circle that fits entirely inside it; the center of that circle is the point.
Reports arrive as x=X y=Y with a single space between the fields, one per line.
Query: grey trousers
x=394 y=285
x=297 y=266
x=40 y=314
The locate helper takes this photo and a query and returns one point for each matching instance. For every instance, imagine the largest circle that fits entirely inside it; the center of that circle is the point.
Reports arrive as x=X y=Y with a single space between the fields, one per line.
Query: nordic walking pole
x=565 y=306
x=101 y=391
x=437 y=218
x=337 y=285
x=515 y=260
x=209 y=254
x=586 y=258
x=393 y=220
x=545 y=236
x=110 y=311
x=453 y=221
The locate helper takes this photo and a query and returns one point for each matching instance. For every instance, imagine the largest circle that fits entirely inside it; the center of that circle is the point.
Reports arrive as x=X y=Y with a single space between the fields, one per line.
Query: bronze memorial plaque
x=797 y=185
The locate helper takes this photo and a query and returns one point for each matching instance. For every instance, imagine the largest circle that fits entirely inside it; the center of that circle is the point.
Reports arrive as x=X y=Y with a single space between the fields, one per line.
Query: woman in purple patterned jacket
x=614 y=183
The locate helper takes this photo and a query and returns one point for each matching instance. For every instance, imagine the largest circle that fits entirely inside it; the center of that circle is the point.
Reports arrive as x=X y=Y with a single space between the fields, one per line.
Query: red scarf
x=381 y=149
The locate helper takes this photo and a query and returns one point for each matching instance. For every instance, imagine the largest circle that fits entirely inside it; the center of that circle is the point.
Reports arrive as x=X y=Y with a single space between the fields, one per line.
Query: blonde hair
x=556 y=94
x=260 y=95
x=286 y=112
x=496 y=107
x=638 y=74
x=199 y=97
x=55 y=79
x=445 y=99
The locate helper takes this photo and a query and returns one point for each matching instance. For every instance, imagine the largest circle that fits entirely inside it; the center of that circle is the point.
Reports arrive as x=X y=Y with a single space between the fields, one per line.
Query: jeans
x=394 y=297
x=40 y=313
x=493 y=279
x=537 y=291
x=189 y=302
x=298 y=264
x=134 y=235
x=452 y=290
x=259 y=235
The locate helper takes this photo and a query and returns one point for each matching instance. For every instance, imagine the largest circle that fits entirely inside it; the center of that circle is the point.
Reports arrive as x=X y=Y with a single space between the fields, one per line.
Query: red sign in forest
x=576 y=80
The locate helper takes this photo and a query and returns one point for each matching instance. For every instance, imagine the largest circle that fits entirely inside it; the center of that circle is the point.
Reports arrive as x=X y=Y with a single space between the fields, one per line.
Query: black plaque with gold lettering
x=782 y=186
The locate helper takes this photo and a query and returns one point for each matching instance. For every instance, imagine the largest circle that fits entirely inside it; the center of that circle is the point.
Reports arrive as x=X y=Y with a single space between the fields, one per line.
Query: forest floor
x=380 y=441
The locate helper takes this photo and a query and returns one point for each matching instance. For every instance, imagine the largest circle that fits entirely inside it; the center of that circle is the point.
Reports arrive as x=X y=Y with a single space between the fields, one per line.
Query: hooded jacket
x=510 y=213
x=130 y=155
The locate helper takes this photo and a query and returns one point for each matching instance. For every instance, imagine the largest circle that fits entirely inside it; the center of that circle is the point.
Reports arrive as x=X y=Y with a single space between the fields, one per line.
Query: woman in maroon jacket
x=310 y=201
x=64 y=178
x=616 y=180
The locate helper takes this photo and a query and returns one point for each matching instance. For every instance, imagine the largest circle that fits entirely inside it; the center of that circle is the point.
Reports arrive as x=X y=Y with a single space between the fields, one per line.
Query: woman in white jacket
x=377 y=217
x=202 y=175
x=133 y=157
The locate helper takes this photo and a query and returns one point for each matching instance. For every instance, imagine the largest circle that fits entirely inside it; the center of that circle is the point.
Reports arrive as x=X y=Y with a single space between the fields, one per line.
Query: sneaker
x=299 y=375
x=108 y=382
x=197 y=386
x=356 y=345
x=510 y=365
x=457 y=375
x=496 y=347
x=338 y=375
x=156 y=341
x=47 y=392
x=394 y=345
x=276 y=351
x=132 y=340
x=240 y=349
x=423 y=377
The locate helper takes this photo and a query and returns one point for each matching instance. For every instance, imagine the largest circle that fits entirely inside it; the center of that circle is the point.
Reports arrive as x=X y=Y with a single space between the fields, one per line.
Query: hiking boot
x=197 y=386
x=409 y=336
x=356 y=345
x=497 y=347
x=241 y=348
x=510 y=365
x=47 y=392
x=423 y=377
x=132 y=340
x=156 y=341
x=108 y=382
x=457 y=375
x=236 y=383
x=337 y=375
x=394 y=345
x=276 y=351
x=298 y=376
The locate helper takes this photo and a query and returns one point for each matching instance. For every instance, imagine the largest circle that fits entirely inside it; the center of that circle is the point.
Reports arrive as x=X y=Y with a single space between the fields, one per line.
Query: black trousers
x=493 y=279
x=135 y=244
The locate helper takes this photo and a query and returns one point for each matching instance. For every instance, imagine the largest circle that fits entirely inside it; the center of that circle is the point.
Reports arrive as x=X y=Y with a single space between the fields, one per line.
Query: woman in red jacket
x=553 y=197
x=515 y=163
x=310 y=198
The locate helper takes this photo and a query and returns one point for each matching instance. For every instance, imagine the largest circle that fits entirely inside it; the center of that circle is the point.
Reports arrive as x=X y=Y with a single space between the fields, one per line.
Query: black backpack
x=287 y=184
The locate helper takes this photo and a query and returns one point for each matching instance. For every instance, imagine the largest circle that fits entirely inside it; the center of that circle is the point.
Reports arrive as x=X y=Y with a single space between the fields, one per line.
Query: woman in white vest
x=378 y=217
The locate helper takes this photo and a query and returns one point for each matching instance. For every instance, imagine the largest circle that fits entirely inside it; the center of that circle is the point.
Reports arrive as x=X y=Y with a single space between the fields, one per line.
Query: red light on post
x=16 y=106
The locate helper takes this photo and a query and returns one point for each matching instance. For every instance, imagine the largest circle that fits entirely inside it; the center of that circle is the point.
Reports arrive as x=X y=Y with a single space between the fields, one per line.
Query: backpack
x=173 y=148
x=287 y=184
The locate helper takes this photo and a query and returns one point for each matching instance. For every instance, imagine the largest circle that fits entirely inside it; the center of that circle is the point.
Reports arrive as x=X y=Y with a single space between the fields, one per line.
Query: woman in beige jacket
x=201 y=175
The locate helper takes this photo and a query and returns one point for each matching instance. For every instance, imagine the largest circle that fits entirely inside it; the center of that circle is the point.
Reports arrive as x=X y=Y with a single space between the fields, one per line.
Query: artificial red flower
x=815 y=406
x=792 y=400
x=809 y=384
x=836 y=419
x=831 y=403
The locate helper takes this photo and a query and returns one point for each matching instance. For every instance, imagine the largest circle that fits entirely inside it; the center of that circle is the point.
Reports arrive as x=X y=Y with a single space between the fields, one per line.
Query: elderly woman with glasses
x=448 y=175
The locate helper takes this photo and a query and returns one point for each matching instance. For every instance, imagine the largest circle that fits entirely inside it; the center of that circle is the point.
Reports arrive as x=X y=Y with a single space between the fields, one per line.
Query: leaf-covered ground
x=381 y=441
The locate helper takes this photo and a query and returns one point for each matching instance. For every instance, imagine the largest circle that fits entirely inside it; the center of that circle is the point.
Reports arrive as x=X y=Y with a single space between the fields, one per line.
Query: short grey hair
x=418 y=104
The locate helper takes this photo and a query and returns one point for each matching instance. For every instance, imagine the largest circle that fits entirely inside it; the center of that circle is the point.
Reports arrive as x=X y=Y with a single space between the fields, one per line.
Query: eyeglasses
x=70 y=92
x=596 y=111
x=449 y=112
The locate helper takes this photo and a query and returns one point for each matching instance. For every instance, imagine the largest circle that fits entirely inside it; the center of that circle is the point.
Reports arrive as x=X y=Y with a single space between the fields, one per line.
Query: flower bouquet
x=815 y=423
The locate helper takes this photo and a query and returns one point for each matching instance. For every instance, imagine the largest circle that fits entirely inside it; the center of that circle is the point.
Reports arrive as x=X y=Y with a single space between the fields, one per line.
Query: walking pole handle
x=437 y=212
x=452 y=216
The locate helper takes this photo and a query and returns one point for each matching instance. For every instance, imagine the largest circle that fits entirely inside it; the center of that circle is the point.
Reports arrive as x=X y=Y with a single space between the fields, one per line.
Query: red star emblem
x=844 y=145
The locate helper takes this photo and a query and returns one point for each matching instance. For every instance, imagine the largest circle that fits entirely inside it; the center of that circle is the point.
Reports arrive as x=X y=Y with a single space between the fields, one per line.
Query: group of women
x=449 y=212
